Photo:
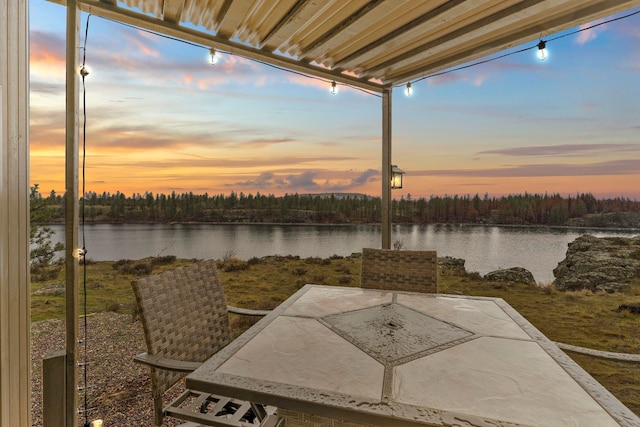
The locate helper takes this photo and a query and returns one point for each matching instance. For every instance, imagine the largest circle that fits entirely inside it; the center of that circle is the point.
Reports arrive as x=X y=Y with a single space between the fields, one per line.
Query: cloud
x=370 y=175
x=268 y=180
x=365 y=177
x=265 y=142
x=564 y=149
x=47 y=88
x=191 y=163
x=321 y=84
x=587 y=34
x=614 y=167
x=145 y=48
x=310 y=180
x=311 y=82
x=47 y=55
x=303 y=180
x=229 y=69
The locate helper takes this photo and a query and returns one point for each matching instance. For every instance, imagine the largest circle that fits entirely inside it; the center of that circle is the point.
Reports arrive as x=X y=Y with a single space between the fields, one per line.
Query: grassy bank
x=580 y=318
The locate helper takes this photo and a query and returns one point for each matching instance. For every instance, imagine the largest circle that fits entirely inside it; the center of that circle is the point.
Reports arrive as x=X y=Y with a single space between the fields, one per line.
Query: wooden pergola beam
x=15 y=289
x=118 y=14
x=71 y=212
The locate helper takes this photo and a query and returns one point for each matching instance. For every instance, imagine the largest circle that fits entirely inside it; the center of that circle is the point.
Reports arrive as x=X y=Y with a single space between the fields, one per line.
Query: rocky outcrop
x=452 y=266
x=605 y=263
x=513 y=275
x=607 y=220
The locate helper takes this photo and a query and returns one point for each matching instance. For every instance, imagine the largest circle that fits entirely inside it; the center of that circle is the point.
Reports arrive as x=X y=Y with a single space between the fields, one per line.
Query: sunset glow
x=160 y=118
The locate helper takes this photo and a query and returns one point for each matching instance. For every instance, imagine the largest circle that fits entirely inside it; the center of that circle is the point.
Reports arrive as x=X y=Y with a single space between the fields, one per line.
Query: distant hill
x=338 y=195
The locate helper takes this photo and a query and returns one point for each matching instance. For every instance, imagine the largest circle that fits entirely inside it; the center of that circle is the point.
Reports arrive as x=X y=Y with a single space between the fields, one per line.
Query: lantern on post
x=396 y=176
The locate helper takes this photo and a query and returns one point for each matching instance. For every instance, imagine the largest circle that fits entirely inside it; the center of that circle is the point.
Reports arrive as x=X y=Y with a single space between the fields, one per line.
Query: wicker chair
x=414 y=271
x=185 y=321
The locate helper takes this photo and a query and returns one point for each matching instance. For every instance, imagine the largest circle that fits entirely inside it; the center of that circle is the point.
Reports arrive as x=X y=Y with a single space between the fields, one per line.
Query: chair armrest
x=247 y=311
x=157 y=361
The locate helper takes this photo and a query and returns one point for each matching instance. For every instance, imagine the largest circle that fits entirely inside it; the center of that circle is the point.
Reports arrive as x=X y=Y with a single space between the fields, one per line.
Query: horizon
x=161 y=119
x=406 y=196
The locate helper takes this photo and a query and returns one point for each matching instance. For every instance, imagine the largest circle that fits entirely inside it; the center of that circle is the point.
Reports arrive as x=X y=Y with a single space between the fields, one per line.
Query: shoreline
x=350 y=224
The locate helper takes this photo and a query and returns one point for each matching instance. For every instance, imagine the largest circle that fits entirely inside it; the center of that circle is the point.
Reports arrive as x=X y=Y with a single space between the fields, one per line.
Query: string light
x=542 y=42
x=334 y=88
x=408 y=90
x=79 y=253
x=334 y=91
x=213 y=59
x=542 y=50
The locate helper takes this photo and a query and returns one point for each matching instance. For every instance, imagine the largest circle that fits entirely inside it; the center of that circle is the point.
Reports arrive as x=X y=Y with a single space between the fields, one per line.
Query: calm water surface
x=485 y=248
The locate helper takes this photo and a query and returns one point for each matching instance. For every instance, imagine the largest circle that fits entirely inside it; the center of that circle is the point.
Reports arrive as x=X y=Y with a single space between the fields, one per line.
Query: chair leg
x=158 y=411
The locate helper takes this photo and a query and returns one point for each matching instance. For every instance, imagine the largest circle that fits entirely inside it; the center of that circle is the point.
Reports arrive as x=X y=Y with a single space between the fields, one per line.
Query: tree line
x=520 y=209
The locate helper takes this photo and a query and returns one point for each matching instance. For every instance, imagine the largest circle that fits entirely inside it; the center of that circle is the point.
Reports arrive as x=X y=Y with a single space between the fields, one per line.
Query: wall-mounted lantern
x=396 y=176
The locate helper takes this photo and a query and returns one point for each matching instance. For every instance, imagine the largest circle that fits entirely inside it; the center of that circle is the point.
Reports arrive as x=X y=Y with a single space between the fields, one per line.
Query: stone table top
x=400 y=358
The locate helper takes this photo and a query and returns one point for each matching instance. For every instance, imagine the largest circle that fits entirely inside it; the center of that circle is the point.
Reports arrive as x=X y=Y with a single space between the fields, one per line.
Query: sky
x=160 y=118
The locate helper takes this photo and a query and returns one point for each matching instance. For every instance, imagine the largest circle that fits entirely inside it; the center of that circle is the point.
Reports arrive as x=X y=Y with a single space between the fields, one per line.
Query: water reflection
x=485 y=248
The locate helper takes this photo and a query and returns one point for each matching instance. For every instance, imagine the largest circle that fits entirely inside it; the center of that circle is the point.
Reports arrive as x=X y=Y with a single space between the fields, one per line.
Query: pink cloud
x=587 y=34
x=46 y=51
x=144 y=46
x=306 y=81
x=124 y=61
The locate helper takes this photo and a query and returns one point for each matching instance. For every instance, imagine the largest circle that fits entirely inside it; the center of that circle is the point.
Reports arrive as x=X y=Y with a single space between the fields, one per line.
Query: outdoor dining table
x=340 y=356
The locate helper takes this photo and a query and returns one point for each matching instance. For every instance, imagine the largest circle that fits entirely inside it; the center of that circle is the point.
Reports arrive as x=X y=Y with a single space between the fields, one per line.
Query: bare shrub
x=234 y=265
x=299 y=271
x=345 y=280
x=254 y=261
x=318 y=261
x=229 y=254
x=318 y=278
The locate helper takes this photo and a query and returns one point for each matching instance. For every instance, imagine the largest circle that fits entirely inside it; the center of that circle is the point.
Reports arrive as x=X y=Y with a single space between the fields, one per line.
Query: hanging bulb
x=334 y=88
x=83 y=71
x=79 y=253
x=408 y=90
x=542 y=50
x=213 y=60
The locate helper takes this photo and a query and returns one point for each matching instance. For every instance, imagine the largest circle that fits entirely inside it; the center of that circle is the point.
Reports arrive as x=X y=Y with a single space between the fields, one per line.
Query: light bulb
x=84 y=72
x=542 y=50
x=213 y=60
x=334 y=88
x=79 y=253
x=408 y=90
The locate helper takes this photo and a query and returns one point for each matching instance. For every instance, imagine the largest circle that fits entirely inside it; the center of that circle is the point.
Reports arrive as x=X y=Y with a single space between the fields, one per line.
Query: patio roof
x=371 y=44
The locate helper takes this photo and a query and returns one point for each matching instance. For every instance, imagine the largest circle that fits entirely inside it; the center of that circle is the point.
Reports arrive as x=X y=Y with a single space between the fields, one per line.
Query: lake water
x=485 y=248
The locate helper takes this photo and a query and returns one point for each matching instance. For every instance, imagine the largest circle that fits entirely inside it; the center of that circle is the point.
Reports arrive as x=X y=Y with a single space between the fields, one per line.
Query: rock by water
x=513 y=275
x=599 y=263
x=452 y=266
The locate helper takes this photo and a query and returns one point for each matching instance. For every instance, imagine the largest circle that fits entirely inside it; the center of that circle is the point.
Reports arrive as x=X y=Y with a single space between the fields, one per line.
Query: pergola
x=373 y=45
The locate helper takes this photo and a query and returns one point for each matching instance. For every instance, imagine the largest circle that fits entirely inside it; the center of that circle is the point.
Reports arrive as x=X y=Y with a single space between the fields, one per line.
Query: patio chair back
x=414 y=271
x=184 y=317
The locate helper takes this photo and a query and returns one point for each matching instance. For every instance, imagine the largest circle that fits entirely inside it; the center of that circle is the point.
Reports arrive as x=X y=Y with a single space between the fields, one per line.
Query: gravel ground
x=119 y=389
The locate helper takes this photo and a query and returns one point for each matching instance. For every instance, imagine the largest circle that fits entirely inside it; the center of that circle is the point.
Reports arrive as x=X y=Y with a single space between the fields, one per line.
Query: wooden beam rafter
x=149 y=23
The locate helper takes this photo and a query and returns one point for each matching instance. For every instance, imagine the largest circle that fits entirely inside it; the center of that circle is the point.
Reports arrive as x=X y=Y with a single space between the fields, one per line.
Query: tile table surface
x=399 y=358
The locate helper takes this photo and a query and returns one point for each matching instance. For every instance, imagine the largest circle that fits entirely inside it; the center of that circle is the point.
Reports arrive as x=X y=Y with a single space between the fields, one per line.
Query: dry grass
x=580 y=318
